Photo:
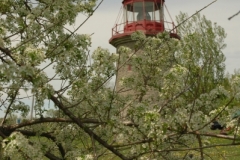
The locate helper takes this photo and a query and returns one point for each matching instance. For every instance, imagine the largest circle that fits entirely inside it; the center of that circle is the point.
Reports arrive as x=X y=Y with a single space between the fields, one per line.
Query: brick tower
x=144 y=15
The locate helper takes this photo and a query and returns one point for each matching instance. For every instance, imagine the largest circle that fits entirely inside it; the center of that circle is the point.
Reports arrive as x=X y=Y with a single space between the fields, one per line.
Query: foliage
x=177 y=88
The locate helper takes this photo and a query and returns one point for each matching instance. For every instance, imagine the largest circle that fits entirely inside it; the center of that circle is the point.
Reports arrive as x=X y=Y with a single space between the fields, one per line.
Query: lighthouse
x=138 y=15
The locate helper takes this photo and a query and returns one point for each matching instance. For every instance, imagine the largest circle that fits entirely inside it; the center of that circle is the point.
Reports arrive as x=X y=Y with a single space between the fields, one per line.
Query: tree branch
x=49 y=120
x=233 y=16
x=9 y=106
x=7 y=52
x=49 y=136
x=86 y=129
x=200 y=146
x=216 y=136
x=51 y=156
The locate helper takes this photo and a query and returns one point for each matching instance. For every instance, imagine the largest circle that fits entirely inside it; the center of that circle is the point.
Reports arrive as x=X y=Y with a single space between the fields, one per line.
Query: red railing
x=145 y=25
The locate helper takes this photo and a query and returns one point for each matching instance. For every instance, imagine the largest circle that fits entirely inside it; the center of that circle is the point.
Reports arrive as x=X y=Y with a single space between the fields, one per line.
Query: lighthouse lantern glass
x=128 y=11
x=149 y=11
x=158 y=12
x=139 y=11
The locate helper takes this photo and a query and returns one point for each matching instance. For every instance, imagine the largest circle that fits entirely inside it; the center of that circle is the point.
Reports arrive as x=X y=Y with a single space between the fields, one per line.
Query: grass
x=214 y=153
x=229 y=152
x=223 y=153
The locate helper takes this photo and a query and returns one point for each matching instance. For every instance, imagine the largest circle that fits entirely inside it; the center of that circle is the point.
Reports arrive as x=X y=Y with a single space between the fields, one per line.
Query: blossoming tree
x=179 y=88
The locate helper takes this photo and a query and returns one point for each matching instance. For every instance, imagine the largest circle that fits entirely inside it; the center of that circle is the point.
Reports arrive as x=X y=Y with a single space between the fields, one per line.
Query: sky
x=103 y=20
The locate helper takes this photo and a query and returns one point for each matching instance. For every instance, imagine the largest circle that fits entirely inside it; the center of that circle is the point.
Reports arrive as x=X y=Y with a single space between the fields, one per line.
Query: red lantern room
x=145 y=15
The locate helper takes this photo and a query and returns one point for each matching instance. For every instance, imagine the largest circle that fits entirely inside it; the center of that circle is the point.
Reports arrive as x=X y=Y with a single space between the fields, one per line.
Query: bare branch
x=86 y=129
x=53 y=120
x=200 y=146
x=49 y=136
x=9 y=106
x=233 y=16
